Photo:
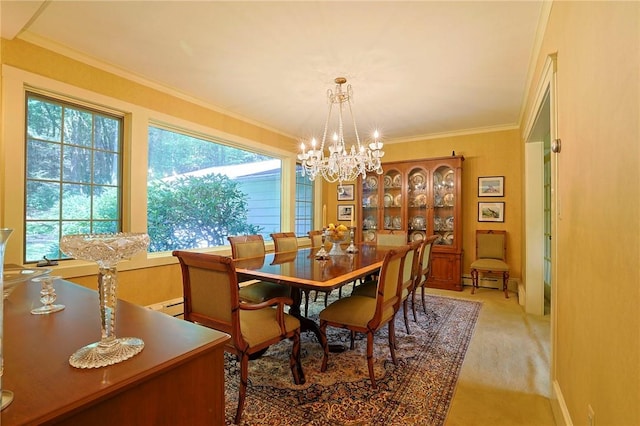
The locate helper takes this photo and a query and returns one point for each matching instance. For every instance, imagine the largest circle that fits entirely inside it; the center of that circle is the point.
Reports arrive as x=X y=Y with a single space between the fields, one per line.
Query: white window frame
x=137 y=119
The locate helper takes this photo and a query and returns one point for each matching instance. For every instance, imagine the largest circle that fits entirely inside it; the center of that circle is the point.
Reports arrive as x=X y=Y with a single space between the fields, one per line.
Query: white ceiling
x=417 y=68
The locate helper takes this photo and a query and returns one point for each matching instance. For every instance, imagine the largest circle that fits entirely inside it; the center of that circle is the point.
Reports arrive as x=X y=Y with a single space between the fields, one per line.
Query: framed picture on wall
x=491 y=212
x=346 y=192
x=491 y=186
x=346 y=212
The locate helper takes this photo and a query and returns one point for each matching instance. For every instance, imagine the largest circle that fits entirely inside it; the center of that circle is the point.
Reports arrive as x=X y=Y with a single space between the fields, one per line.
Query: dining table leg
x=307 y=324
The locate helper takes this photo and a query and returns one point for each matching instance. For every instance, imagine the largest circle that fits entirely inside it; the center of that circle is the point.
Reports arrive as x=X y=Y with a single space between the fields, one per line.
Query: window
x=304 y=203
x=73 y=174
x=200 y=191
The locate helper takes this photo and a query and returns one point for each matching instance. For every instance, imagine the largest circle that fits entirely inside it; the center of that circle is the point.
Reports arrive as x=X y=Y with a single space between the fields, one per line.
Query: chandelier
x=341 y=165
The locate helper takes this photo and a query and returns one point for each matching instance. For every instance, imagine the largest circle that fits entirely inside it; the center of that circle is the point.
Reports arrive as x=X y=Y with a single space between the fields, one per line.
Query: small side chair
x=491 y=257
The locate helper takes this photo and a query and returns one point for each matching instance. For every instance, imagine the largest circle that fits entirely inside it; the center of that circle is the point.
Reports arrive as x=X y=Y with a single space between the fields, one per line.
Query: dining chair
x=316 y=241
x=410 y=272
x=386 y=237
x=424 y=267
x=367 y=315
x=285 y=241
x=288 y=242
x=247 y=246
x=491 y=257
x=211 y=299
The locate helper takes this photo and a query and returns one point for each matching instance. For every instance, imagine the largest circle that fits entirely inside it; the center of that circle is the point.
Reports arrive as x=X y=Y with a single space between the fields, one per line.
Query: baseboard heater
x=173 y=307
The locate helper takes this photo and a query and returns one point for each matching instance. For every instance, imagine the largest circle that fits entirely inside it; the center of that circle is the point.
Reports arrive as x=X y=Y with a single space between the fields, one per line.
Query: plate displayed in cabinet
x=448 y=238
x=417 y=180
x=370 y=236
x=372 y=201
x=448 y=200
x=418 y=236
x=437 y=180
x=398 y=200
x=371 y=182
x=420 y=200
x=387 y=181
x=448 y=178
x=388 y=200
x=396 y=181
x=387 y=221
x=418 y=222
x=449 y=223
x=370 y=223
x=397 y=222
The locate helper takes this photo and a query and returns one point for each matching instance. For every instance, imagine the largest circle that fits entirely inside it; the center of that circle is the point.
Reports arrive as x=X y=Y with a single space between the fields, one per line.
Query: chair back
x=389 y=285
x=491 y=244
x=410 y=268
x=391 y=238
x=316 y=238
x=425 y=259
x=247 y=246
x=285 y=241
x=210 y=289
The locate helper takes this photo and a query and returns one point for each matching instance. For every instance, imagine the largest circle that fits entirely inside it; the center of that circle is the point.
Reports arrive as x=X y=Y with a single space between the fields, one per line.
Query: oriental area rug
x=417 y=391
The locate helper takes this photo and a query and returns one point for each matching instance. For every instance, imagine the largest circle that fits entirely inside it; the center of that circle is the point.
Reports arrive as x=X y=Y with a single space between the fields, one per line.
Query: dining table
x=300 y=270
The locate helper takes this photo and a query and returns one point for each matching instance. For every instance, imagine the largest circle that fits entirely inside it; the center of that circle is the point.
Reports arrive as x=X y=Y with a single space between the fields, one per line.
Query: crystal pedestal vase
x=7 y=395
x=106 y=250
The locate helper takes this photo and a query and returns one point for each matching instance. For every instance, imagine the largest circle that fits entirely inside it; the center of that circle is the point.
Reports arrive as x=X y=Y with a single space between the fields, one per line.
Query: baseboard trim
x=559 y=407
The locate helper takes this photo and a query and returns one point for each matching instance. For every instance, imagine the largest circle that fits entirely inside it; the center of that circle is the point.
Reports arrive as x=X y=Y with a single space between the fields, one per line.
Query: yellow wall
x=597 y=293
x=496 y=153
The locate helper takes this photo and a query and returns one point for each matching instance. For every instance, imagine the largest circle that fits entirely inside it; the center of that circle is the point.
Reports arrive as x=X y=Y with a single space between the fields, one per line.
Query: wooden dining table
x=300 y=270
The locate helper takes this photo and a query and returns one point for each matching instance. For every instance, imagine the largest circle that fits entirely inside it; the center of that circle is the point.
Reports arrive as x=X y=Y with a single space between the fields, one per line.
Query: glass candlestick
x=322 y=253
x=47 y=296
x=106 y=250
x=352 y=247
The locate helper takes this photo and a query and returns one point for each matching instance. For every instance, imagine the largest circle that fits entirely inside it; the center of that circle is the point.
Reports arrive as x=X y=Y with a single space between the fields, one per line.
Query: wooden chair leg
x=505 y=281
x=325 y=346
x=370 y=357
x=413 y=305
x=244 y=369
x=353 y=339
x=392 y=340
x=424 y=303
x=405 y=308
x=326 y=297
x=294 y=360
x=474 y=280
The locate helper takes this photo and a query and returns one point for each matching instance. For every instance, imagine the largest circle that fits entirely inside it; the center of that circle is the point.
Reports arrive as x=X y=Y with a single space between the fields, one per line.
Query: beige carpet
x=416 y=391
x=505 y=379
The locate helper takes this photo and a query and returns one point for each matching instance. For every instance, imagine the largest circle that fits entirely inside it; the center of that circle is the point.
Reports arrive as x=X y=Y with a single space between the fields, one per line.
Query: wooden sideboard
x=178 y=378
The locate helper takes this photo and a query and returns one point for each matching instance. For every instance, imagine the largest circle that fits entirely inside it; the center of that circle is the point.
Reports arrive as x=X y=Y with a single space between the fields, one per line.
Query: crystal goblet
x=106 y=250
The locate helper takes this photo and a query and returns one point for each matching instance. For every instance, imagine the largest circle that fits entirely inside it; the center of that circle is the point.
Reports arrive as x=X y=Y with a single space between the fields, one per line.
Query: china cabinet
x=419 y=197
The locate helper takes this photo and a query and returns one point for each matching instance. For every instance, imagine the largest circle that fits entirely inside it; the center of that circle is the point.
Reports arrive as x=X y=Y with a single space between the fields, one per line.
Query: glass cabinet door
x=370 y=207
x=417 y=193
x=444 y=204
x=392 y=200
